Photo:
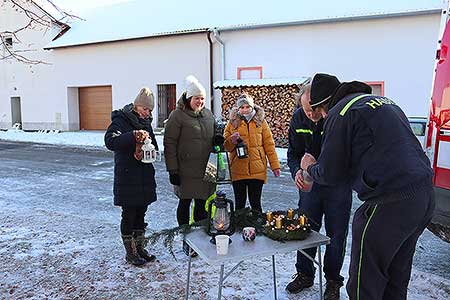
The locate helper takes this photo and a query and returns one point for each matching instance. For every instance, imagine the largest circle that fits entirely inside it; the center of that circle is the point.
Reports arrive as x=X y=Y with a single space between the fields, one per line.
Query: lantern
x=223 y=174
x=221 y=219
x=241 y=149
x=219 y=157
x=149 y=152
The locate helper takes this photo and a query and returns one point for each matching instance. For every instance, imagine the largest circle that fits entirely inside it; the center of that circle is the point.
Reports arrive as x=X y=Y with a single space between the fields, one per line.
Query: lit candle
x=302 y=220
x=269 y=216
x=278 y=223
x=290 y=214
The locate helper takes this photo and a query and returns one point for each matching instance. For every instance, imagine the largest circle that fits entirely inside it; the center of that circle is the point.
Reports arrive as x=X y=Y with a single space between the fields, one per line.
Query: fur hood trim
x=235 y=120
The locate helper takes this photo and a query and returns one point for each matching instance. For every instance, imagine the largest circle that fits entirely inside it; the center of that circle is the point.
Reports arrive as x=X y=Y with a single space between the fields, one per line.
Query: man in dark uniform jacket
x=332 y=203
x=368 y=141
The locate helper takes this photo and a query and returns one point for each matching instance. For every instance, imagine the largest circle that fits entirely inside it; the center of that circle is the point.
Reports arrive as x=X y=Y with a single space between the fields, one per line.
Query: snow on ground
x=59 y=234
x=79 y=138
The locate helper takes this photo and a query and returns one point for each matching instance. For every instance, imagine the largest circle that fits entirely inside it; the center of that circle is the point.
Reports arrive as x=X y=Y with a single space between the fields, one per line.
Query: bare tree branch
x=36 y=19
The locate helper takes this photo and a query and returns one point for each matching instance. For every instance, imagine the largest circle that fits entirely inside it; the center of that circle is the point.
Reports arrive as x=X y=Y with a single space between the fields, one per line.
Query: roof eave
x=233 y=83
x=331 y=20
x=165 y=34
x=256 y=26
x=54 y=20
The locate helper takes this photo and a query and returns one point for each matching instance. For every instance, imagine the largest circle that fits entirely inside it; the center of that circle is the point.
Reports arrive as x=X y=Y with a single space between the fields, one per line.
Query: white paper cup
x=222 y=244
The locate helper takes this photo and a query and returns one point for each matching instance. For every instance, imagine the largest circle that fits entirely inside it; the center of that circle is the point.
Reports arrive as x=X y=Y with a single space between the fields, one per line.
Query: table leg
x=219 y=296
x=274 y=278
x=320 y=272
x=188 y=278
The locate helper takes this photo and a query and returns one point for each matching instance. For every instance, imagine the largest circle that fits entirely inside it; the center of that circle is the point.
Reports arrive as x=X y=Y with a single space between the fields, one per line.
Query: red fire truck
x=437 y=143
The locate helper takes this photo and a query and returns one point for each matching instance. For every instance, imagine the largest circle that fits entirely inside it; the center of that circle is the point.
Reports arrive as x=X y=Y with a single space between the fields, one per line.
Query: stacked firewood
x=278 y=103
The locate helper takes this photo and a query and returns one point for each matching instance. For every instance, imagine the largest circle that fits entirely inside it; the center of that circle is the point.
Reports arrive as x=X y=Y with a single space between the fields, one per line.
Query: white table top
x=239 y=249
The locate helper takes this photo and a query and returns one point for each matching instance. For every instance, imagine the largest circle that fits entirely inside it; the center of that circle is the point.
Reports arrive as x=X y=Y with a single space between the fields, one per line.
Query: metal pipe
x=219 y=296
x=211 y=71
x=186 y=295
x=320 y=272
x=274 y=278
x=222 y=51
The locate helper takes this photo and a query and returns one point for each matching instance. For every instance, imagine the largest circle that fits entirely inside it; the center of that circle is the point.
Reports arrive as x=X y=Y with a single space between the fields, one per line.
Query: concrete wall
x=399 y=51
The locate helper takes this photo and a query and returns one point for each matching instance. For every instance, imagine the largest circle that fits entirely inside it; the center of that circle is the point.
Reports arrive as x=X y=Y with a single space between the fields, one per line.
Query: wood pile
x=278 y=103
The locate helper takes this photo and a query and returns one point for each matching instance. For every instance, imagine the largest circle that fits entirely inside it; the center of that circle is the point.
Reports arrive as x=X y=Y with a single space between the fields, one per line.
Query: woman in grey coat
x=188 y=141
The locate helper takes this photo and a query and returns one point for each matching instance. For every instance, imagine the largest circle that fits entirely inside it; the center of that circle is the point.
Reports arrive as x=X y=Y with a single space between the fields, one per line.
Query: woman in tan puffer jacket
x=249 y=174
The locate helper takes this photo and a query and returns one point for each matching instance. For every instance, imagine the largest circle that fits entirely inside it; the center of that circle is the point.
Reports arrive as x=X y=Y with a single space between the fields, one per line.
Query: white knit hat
x=145 y=98
x=194 y=87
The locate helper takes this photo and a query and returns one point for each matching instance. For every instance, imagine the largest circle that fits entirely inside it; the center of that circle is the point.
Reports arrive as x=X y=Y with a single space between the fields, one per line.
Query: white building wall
x=127 y=66
x=399 y=51
x=29 y=82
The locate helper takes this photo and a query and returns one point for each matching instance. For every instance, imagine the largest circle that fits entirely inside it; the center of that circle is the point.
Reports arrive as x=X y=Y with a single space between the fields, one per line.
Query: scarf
x=248 y=117
x=134 y=119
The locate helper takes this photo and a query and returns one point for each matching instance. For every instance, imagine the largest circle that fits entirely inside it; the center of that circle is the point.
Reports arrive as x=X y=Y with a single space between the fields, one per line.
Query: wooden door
x=95 y=105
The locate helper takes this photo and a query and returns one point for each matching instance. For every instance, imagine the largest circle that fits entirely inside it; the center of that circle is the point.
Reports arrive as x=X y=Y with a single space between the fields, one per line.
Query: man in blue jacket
x=368 y=141
x=331 y=202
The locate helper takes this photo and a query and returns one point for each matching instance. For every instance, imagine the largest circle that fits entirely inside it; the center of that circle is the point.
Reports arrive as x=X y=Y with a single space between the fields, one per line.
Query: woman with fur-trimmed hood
x=247 y=123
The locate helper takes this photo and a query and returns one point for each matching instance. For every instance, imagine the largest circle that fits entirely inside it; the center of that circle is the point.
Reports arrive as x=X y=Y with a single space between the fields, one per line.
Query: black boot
x=300 y=282
x=131 y=257
x=332 y=290
x=139 y=241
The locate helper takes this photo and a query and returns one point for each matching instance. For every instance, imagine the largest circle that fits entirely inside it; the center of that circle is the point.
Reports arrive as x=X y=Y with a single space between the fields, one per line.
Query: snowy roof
x=260 y=82
x=53 y=11
x=143 y=18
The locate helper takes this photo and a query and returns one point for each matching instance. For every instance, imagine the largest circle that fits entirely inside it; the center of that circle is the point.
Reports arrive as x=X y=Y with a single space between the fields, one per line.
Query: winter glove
x=174 y=179
x=218 y=140
x=140 y=136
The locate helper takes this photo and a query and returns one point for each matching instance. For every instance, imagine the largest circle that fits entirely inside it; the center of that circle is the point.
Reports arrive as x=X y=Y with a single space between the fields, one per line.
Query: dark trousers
x=333 y=204
x=132 y=219
x=254 y=189
x=383 y=244
x=183 y=210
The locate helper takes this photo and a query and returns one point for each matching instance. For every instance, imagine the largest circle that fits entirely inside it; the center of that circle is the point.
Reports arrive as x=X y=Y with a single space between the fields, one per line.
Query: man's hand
x=307 y=160
x=299 y=179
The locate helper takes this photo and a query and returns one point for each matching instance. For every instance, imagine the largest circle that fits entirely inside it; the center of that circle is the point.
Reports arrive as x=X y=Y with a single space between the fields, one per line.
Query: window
x=418 y=128
x=7 y=41
x=166 y=101
x=249 y=72
x=377 y=87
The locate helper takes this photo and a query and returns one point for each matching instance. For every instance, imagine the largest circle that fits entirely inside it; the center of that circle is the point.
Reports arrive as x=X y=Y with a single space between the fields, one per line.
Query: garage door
x=95 y=107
